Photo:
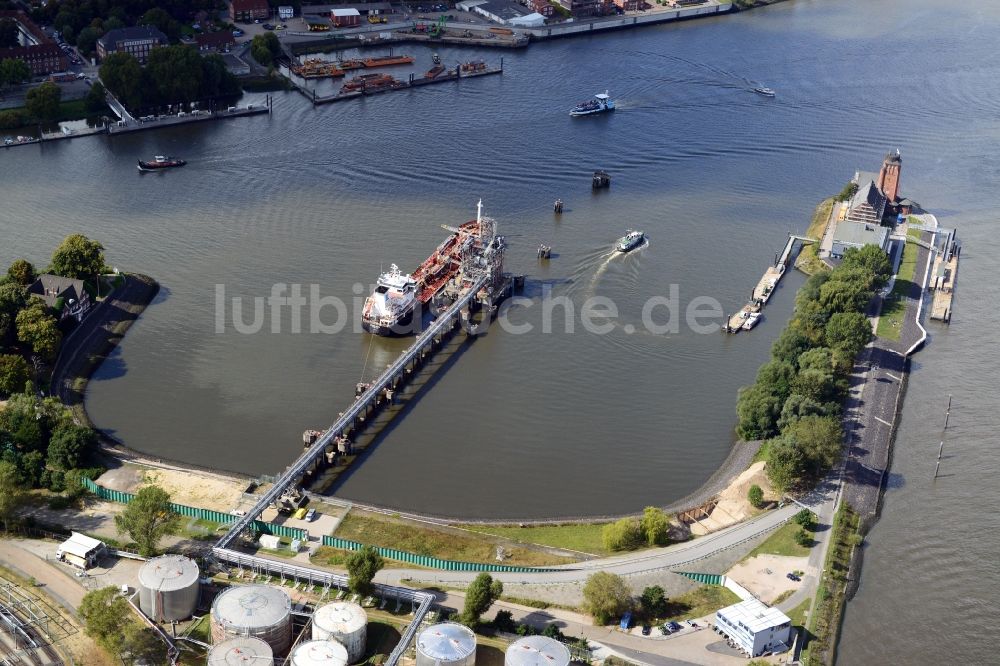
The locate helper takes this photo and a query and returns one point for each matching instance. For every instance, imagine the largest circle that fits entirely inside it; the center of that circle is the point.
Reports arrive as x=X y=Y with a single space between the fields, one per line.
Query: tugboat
x=389 y=310
x=160 y=162
x=766 y=92
x=630 y=241
x=600 y=104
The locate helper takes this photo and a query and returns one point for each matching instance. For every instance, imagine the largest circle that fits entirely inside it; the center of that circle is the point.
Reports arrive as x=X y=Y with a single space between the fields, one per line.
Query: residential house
x=222 y=40
x=543 y=7
x=64 y=295
x=137 y=40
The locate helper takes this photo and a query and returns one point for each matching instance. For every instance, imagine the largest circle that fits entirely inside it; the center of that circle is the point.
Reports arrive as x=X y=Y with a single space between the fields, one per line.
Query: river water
x=568 y=422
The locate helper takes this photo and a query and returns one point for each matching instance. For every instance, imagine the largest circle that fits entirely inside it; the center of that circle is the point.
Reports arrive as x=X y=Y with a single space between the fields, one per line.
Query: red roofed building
x=39 y=52
x=222 y=40
x=248 y=10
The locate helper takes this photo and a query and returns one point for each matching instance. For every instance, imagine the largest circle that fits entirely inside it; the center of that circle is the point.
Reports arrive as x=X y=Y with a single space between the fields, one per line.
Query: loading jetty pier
x=747 y=316
x=476 y=284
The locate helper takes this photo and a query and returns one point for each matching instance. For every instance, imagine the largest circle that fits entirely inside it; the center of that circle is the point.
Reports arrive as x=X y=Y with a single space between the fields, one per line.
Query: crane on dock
x=438 y=28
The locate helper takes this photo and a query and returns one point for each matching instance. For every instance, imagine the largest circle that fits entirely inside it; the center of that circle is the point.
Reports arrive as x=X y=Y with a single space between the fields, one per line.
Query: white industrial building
x=81 y=550
x=754 y=627
x=504 y=12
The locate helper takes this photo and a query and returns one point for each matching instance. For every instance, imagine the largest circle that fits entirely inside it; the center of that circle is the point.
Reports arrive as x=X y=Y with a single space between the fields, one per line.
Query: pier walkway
x=761 y=293
x=385 y=382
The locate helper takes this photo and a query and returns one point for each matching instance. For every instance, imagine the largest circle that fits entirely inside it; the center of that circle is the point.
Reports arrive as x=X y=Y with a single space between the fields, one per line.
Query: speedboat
x=600 y=104
x=160 y=162
x=766 y=92
x=389 y=310
x=630 y=241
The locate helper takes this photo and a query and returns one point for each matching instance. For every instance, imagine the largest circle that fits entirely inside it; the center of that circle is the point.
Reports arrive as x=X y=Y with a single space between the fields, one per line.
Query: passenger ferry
x=630 y=241
x=601 y=103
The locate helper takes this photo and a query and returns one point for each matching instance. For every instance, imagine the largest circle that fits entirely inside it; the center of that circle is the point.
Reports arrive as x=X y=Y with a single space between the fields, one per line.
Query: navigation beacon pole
x=947 y=416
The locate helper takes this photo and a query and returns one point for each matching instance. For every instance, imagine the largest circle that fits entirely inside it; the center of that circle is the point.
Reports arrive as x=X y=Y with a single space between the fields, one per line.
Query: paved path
x=57 y=583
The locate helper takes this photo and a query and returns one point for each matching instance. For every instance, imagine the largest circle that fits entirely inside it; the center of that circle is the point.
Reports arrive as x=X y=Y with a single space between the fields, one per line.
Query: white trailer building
x=754 y=627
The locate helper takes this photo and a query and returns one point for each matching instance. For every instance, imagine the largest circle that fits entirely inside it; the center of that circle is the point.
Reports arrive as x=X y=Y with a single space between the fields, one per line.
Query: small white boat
x=630 y=241
x=765 y=91
x=600 y=104
x=752 y=320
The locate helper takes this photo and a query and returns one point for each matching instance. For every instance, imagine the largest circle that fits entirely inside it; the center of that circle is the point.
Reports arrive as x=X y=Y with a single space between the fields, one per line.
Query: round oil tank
x=345 y=623
x=537 y=651
x=446 y=644
x=241 y=651
x=319 y=653
x=258 y=611
x=168 y=588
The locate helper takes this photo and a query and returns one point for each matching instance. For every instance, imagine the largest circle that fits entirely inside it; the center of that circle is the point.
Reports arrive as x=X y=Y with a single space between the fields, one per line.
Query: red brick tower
x=888 y=176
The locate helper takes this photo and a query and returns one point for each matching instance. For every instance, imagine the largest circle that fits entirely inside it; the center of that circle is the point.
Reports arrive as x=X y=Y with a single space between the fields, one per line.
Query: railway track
x=28 y=628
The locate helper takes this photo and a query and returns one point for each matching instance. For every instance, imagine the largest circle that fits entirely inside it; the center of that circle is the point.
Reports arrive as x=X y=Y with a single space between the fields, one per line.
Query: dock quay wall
x=620 y=22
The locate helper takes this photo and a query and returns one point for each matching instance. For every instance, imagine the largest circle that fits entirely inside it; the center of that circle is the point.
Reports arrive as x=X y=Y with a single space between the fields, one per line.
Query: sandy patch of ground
x=195 y=489
x=733 y=505
x=753 y=574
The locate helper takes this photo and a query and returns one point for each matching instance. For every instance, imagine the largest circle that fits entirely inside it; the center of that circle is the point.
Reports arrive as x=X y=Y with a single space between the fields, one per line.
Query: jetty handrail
x=384 y=380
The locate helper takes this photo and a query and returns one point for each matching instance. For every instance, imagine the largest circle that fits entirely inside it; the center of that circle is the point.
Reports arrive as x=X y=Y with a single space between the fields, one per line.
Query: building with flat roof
x=81 y=550
x=35 y=48
x=137 y=40
x=852 y=234
x=754 y=627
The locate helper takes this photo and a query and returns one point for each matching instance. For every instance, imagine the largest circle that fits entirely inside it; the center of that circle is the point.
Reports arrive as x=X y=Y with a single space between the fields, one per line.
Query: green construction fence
x=428 y=561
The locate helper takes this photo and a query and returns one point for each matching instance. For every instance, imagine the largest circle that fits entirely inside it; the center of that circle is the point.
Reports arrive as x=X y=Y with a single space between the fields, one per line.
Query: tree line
x=173 y=75
x=795 y=404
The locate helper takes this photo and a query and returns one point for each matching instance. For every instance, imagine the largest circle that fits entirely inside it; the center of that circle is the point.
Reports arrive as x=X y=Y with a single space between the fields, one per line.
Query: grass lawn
x=782 y=542
x=798 y=614
x=378 y=530
x=890 y=321
x=698 y=603
x=75 y=109
x=583 y=537
x=382 y=638
x=808 y=261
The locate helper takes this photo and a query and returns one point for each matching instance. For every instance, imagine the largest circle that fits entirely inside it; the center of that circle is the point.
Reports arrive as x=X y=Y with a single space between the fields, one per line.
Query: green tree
x=777 y=377
x=95 y=99
x=21 y=272
x=504 y=621
x=8 y=34
x=42 y=102
x=11 y=491
x=803 y=538
x=758 y=410
x=147 y=518
x=86 y=41
x=479 y=596
x=31 y=466
x=755 y=496
x=789 y=345
x=362 y=565
x=870 y=259
x=38 y=328
x=260 y=52
x=606 y=596
x=799 y=405
x=820 y=439
x=12 y=298
x=104 y=612
x=14 y=374
x=623 y=534
x=785 y=463
x=845 y=294
x=655 y=526
x=806 y=519
x=122 y=75
x=143 y=646
x=175 y=74
x=14 y=71
x=78 y=257
x=162 y=20
x=69 y=445
x=816 y=385
x=818 y=358
x=850 y=331
x=849 y=191
x=653 y=601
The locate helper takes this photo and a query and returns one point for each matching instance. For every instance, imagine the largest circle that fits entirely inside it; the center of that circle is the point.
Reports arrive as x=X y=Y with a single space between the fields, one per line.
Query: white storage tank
x=345 y=623
x=537 y=651
x=446 y=644
x=319 y=653
x=241 y=651
x=168 y=588
x=259 y=611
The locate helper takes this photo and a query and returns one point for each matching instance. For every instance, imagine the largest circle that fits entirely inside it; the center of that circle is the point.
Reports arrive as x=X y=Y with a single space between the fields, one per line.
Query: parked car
x=674 y=626
x=310 y=515
x=692 y=623
x=791 y=576
x=646 y=629
x=268 y=26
